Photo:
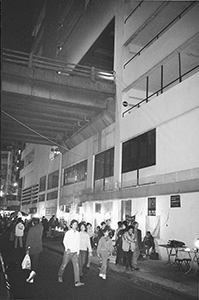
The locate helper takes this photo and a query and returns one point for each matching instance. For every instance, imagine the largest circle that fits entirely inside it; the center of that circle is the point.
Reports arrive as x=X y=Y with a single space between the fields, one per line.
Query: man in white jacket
x=71 y=243
x=19 y=232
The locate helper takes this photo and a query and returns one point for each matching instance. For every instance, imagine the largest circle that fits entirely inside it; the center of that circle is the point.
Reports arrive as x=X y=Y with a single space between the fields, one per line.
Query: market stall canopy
x=18 y=214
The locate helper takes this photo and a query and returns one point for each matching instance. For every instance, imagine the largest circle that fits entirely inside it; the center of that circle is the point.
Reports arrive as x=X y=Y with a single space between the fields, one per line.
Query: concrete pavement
x=154 y=274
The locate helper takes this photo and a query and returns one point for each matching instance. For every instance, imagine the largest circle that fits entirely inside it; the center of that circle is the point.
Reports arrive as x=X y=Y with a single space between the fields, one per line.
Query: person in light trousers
x=85 y=248
x=71 y=243
x=104 y=250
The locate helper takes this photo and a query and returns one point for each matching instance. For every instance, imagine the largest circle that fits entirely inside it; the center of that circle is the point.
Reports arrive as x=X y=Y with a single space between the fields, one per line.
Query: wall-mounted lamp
x=86 y=119
x=59 y=47
x=55 y=150
x=125 y=104
x=60 y=25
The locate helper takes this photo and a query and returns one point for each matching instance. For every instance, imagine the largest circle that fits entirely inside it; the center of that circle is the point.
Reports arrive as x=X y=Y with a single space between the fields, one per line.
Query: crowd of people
x=80 y=242
x=130 y=246
x=126 y=241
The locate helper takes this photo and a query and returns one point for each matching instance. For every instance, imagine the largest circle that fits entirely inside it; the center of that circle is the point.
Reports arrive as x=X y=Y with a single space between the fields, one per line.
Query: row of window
x=175 y=201
x=50 y=196
x=75 y=173
x=137 y=153
x=126 y=207
x=53 y=181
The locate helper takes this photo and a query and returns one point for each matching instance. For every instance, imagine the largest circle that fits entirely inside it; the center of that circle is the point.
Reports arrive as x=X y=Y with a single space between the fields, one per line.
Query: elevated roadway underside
x=43 y=107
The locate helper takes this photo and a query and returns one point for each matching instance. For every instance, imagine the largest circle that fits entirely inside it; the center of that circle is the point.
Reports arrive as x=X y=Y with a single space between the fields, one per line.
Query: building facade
x=145 y=164
x=10 y=183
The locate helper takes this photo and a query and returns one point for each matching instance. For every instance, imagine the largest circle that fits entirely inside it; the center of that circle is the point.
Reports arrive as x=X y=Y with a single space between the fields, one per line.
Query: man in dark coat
x=138 y=245
x=34 y=246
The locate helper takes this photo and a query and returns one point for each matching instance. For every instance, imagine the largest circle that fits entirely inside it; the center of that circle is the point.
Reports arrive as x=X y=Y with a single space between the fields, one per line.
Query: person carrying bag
x=26 y=263
x=34 y=244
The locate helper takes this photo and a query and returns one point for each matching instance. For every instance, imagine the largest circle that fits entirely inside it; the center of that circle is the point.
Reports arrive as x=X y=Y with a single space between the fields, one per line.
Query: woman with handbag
x=34 y=244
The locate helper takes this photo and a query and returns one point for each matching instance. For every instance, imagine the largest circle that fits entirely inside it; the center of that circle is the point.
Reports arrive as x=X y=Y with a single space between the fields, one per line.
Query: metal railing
x=139 y=4
x=60 y=67
x=147 y=99
x=159 y=34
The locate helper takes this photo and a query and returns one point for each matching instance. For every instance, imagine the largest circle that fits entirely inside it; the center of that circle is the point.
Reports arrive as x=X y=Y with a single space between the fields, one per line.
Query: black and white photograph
x=99 y=195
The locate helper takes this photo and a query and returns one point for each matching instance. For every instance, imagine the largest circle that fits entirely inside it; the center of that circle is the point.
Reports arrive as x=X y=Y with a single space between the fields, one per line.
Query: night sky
x=18 y=18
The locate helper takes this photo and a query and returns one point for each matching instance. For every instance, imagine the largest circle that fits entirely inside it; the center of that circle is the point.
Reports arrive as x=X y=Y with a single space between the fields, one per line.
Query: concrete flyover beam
x=49 y=85
x=40 y=106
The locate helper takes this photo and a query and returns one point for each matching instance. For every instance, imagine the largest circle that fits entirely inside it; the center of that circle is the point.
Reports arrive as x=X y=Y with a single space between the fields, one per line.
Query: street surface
x=46 y=285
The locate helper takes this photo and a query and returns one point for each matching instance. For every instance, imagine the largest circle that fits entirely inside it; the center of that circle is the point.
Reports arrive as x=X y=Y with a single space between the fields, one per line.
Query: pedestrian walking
x=12 y=230
x=85 y=247
x=71 y=243
x=104 y=250
x=91 y=234
x=52 y=223
x=45 y=226
x=19 y=232
x=138 y=245
x=96 y=237
x=101 y=230
x=34 y=246
x=128 y=246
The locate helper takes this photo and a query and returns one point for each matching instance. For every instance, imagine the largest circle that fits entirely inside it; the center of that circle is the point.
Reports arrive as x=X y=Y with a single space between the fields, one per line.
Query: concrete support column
x=119 y=79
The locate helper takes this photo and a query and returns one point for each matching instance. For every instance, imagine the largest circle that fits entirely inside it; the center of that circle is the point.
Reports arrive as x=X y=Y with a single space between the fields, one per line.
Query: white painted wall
x=178 y=143
x=175 y=115
x=179 y=223
x=41 y=166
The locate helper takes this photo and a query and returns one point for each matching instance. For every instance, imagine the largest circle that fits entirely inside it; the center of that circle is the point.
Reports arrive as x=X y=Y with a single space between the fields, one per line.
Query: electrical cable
x=46 y=138
x=34 y=131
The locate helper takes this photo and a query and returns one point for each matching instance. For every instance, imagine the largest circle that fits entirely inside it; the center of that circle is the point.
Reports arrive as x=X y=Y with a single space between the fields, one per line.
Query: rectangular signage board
x=175 y=201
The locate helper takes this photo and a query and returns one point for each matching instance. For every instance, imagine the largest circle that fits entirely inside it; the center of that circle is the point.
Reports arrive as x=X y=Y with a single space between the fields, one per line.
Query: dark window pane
x=152 y=147
x=99 y=166
x=139 y=152
x=126 y=148
x=52 y=195
x=53 y=180
x=104 y=164
x=41 y=197
x=143 y=160
x=133 y=161
x=75 y=173
x=42 y=184
x=109 y=162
